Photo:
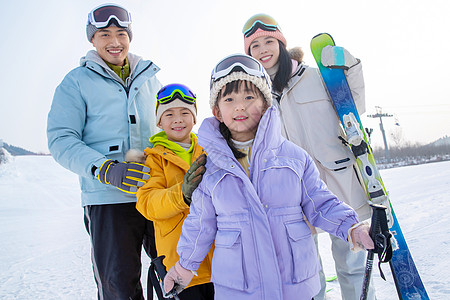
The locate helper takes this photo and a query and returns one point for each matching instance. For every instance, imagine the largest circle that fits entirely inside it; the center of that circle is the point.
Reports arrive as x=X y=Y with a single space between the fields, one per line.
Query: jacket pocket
x=228 y=260
x=339 y=164
x=169 y=225
x=308 y=95
x=112 y=149
x=305 y=262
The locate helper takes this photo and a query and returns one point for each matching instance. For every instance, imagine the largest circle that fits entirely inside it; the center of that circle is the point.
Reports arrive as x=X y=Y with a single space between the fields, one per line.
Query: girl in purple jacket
x=255 y=197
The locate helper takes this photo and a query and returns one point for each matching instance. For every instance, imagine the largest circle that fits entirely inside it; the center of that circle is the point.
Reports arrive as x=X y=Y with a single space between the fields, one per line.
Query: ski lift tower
x=380 y=115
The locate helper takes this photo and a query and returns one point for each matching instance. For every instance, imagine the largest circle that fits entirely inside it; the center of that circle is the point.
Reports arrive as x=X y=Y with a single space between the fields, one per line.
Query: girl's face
x=266 y=50
x=241 y=110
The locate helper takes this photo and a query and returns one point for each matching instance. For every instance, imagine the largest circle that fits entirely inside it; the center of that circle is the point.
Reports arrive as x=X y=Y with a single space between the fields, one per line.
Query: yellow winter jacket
x=161 y=201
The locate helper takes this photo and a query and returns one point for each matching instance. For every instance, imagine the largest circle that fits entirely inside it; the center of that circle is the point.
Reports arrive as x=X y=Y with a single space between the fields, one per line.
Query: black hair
x=283 y=75
x=226 y=133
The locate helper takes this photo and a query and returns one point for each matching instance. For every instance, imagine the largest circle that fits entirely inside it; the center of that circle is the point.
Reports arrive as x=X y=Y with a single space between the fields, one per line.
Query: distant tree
x=397 y=136
x=16 y=151
x=2 y=156
x=413 y=153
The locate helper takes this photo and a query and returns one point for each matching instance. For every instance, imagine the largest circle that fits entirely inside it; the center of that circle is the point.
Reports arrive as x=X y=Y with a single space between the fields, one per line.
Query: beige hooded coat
x=310 y=121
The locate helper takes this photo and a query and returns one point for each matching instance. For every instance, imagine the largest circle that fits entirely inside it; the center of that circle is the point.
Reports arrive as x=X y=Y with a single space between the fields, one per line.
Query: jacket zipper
x=126 y=87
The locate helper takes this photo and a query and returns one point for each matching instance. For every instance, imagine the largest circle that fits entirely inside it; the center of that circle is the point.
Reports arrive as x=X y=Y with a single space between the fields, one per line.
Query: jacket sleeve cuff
x=189 y=265
x=96 y=166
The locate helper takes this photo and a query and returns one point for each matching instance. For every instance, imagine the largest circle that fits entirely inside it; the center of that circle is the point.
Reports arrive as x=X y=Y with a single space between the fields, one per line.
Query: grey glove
x=126 y=176
x=193 y=178
x=337 y=58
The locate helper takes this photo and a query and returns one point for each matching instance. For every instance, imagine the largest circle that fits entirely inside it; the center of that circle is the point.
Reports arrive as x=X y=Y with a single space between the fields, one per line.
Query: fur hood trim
x=297 y=54
x=134 y=155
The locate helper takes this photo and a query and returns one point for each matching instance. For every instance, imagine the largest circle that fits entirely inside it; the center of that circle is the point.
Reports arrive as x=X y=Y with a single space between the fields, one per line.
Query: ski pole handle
x=162 y=271
x=375 y=229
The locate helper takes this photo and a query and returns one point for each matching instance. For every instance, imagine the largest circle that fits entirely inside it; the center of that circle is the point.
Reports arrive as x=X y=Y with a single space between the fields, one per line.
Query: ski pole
x=153 y=283
x=161 y=271
x=379 y=243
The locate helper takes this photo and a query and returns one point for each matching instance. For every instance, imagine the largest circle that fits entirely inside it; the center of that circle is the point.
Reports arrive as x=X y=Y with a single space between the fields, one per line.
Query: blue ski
x=407 y=279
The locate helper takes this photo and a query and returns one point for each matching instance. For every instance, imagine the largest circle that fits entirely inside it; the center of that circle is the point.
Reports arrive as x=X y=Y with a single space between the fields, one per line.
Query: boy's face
x=112 y=44
x=177 y=123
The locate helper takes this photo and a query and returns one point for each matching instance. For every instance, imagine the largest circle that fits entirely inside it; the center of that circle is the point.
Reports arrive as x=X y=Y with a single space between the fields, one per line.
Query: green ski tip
x=331 y=278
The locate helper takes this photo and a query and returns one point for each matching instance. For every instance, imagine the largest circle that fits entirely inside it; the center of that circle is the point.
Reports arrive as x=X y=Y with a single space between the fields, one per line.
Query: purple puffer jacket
x=263 y=246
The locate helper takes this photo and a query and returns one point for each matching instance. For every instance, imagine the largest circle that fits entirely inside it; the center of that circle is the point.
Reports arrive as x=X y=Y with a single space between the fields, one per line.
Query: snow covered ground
x=44 y=249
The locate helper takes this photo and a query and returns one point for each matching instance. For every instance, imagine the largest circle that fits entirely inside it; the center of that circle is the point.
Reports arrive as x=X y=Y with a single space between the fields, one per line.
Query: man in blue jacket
x=100 y=110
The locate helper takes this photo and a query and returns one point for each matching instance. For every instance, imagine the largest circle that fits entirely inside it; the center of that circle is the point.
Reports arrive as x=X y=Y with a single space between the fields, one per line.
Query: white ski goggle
x=238 y=62
x=101 y=16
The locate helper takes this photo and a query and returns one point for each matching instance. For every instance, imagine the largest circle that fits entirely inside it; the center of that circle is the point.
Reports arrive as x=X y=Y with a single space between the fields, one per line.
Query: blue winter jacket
x=263 y=246
x=96 y=116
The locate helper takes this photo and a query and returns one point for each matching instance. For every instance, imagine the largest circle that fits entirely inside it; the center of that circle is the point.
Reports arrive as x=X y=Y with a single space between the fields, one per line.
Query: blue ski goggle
x=174 y=91
x=101 y=16
x=265 y=22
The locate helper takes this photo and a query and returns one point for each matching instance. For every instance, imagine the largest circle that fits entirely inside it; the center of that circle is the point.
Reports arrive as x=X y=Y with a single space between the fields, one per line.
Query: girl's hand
x=360 y=237
x=178 y=278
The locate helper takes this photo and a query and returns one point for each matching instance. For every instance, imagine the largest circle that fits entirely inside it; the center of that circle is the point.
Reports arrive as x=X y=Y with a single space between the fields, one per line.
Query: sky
x=402 y=44
x=37 y=216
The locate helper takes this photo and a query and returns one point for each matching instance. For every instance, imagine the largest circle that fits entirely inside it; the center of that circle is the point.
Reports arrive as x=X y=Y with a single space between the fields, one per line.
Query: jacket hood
x=92 y=56
x=268 y=135
x=161 y=139
x=296 y=54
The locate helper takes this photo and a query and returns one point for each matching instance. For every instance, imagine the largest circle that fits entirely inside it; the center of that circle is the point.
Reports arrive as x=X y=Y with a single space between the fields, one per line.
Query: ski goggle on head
x=265 y=22
x=174 y=91
x=101 y=16
x=238 y=62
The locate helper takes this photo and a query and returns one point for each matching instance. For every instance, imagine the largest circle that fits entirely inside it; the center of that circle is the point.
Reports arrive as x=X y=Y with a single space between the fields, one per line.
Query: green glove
x=193 y=178
x=126 y=176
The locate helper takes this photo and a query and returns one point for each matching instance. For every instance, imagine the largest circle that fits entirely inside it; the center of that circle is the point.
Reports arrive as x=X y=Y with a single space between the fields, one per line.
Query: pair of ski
x=406 y=277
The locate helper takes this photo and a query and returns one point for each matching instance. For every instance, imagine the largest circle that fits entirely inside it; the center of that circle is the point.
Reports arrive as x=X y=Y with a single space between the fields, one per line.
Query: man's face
x=112 y=44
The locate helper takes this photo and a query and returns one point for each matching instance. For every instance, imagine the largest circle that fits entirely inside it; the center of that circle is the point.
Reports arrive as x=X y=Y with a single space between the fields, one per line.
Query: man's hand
x=193 y=178
x=337 y=58
x=126 y=176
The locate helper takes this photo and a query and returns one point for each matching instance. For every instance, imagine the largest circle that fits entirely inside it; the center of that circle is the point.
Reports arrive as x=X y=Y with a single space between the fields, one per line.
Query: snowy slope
x=44 y=253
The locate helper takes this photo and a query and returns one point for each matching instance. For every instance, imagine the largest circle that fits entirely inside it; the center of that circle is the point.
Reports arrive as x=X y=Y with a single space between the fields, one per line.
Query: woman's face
x=266 y=50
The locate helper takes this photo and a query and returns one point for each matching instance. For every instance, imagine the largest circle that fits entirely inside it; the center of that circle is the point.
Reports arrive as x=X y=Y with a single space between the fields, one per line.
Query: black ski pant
x=118 y=232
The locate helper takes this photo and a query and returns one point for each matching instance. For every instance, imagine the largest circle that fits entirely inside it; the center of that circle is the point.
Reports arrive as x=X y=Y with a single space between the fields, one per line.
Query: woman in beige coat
x=310 y=121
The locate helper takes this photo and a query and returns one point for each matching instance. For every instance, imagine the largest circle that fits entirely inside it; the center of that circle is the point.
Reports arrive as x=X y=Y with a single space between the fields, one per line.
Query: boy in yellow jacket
x=177 y=163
